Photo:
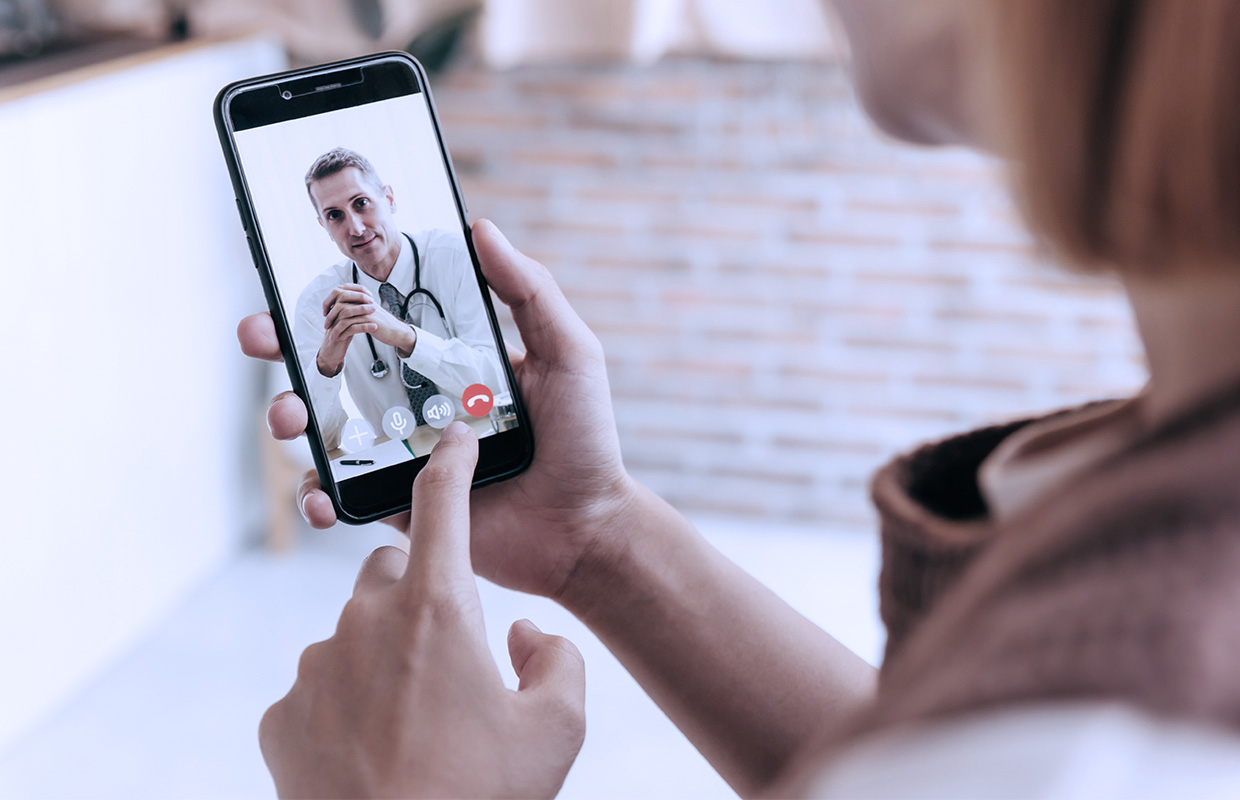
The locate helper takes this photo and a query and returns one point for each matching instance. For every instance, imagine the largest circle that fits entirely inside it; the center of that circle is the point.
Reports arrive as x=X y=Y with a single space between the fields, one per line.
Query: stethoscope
x=377 y=368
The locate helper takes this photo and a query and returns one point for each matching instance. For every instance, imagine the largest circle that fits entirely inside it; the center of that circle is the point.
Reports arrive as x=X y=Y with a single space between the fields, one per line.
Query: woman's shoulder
x=1122 y=585
x=1113 y=749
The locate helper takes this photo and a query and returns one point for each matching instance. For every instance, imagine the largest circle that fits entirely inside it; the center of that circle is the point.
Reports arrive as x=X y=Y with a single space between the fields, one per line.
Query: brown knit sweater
x=1123 y=585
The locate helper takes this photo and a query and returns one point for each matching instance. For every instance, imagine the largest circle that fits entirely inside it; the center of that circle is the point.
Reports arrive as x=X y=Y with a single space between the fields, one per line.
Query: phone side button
x=253 y=250
x=241 y=216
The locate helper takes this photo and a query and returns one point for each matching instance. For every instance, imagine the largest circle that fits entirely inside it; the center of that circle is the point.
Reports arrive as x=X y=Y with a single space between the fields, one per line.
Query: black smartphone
x=358 y=231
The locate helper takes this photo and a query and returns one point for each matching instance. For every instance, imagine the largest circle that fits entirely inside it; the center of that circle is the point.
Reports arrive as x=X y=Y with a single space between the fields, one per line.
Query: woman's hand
x=532 y=532
x=749 y=680
x=405 y=699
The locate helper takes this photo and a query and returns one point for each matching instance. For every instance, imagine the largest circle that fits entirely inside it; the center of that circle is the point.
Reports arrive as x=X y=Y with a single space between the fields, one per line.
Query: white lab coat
x=453 y=359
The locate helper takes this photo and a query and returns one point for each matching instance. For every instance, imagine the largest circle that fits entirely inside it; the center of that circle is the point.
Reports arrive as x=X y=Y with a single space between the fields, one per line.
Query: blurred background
x=786 y=300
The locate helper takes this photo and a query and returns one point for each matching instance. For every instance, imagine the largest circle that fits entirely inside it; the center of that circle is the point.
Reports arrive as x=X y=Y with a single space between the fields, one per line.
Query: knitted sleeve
x=933 y=522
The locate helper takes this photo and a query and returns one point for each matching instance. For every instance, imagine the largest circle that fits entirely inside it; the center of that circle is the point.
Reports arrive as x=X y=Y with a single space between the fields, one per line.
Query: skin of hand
x=576 y=528
x=350 y=309
x=405 y=699
x=532 y=532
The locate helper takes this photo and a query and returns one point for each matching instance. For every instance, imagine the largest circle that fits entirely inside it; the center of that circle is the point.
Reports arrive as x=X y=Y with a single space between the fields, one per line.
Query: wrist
x=404 y=348
x=619 y=550
x=326 y=368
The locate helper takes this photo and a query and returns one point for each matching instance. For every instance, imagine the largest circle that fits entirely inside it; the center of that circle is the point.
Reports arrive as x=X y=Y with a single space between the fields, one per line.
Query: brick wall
x=786 y=298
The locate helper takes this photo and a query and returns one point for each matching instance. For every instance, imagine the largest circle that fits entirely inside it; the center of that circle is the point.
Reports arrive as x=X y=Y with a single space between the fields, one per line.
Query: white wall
x=129 y=409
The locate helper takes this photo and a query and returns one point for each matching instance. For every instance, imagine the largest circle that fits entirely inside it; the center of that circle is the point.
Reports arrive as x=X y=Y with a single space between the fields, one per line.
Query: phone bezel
x=384 y=492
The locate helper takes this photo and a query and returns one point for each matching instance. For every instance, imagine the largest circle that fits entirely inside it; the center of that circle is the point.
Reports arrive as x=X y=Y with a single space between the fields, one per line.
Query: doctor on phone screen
x=400 y=318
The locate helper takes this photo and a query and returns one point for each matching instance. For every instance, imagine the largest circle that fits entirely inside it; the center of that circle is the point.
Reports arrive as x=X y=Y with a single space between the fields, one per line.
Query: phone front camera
x=286 y=94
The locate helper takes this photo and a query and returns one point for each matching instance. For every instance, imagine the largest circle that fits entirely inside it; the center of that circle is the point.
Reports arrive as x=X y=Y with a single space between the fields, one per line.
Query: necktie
x=417 y=386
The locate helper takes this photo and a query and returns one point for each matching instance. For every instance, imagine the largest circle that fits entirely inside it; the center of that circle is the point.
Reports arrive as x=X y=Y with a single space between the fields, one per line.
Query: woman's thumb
x=548 y=667
x=547 y=323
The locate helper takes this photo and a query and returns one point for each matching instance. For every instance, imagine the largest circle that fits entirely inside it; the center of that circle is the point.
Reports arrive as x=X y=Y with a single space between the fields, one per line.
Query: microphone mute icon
x=396 y=422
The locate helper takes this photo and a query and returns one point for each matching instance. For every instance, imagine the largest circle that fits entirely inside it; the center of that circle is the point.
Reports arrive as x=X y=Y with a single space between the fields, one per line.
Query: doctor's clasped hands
x=350 y=310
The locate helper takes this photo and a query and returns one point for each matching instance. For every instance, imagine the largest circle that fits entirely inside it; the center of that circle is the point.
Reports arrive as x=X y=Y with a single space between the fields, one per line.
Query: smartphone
x=358 y=230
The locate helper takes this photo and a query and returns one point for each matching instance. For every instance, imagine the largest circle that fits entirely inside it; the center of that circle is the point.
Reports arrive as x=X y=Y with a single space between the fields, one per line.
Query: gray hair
x=336 y=160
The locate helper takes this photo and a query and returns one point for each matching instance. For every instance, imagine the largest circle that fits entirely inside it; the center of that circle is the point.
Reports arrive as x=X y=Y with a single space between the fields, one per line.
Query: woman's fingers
x=286 y=416
x=439 y=531
x=314 y=503
x=317 y=509
x=549 y=327
x=257 y=334
x=381 y=569
x=287 y=419
x=548 y=666
x=399 y=521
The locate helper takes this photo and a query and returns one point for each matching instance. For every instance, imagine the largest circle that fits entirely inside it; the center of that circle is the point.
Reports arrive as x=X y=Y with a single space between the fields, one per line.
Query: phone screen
x=356 y=214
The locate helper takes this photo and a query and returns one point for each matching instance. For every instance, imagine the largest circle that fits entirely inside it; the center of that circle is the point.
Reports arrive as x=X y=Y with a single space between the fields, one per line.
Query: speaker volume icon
x=437 y=411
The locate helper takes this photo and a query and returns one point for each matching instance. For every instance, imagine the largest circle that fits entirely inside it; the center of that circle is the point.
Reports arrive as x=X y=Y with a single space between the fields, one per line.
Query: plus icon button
x=358 y=435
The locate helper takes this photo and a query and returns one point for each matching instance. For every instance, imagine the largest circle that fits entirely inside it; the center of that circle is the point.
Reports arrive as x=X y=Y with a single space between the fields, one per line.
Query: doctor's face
x=357 y=215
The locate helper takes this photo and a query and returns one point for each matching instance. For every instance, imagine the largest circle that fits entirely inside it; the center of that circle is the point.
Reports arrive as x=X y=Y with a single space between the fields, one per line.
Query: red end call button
x=477 y=400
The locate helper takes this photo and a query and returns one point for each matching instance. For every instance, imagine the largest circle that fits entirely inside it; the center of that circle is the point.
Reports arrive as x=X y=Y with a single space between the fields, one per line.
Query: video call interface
x=357 y=214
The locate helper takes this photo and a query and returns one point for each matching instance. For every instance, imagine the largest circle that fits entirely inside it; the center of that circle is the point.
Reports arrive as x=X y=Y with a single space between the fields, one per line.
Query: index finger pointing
x=439 y=522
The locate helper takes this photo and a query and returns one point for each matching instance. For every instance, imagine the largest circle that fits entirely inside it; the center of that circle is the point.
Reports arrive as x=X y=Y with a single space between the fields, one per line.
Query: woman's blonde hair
x=1123 y=120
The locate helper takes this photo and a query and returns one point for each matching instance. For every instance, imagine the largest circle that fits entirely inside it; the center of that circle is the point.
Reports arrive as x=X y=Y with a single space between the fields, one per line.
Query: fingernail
x=304 y=499
x=525 y=623
x=498 y=234
x=267 y=414
x=456 y=428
